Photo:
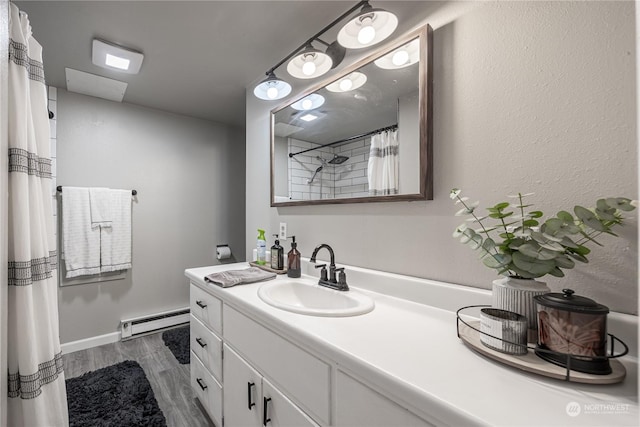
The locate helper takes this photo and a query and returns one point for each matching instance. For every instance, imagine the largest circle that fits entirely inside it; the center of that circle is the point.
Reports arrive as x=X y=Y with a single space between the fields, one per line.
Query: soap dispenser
x=261 y=246
x=293 y=260
x=277 y=255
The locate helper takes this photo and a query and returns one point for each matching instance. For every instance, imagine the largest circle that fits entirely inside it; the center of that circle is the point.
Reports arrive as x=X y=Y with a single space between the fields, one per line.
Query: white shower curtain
x=383 y=170
x=37 y=394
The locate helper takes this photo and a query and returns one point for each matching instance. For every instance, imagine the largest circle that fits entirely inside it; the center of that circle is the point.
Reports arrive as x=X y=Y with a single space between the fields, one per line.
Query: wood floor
x=169 y=379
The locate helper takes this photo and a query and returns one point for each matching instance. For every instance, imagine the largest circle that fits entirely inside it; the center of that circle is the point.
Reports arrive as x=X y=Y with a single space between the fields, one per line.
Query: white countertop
x=411 y=351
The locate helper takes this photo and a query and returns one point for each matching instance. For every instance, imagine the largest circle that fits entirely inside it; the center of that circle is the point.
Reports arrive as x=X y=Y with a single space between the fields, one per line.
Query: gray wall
x=528 y=97
x=190 y=178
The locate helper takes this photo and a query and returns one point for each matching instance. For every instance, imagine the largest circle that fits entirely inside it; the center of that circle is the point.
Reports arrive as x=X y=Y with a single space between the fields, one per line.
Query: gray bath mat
x=178 y=341
x=118 y=395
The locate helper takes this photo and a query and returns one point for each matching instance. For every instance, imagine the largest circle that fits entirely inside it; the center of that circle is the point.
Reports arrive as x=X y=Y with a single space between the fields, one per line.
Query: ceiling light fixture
x=108 y=55
x=272 y=88
x=309 y=102
x=310 y=63
x=370 y=26
x=308 y=117
x=401 y=57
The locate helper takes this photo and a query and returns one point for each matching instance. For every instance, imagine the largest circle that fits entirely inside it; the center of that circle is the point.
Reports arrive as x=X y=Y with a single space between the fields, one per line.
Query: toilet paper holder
x=223 y=252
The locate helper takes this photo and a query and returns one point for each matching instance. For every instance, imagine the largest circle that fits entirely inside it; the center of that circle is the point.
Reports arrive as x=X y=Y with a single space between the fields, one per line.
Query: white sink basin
x=305 y=296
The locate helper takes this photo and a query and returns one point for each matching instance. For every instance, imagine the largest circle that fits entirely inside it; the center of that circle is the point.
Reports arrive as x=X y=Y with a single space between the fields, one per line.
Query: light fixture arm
x=315 y=37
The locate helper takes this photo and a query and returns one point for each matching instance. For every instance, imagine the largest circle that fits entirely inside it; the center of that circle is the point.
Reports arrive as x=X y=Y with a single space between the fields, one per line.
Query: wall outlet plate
x=282 y=235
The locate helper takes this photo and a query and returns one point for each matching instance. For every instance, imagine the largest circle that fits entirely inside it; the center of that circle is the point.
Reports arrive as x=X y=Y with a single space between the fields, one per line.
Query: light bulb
x=307 y=104
x=400 y=57
x=272 y=93
x=367 y=33
x=308 y=68
x=345 y=84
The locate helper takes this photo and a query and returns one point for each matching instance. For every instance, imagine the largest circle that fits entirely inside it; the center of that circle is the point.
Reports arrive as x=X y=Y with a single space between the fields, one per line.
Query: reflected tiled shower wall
x=348 y=179
x=53 y=98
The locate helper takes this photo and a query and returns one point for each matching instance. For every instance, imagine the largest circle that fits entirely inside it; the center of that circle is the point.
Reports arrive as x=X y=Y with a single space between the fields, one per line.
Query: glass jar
x=574 y=328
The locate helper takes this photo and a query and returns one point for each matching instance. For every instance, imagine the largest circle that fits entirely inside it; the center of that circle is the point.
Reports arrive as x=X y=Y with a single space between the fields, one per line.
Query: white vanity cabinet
x=206 y=351
x=251 y=400
x=360 y=405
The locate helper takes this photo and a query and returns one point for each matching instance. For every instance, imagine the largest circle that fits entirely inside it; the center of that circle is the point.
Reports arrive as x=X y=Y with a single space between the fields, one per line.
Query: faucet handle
x=323 y=272
x=342 y=277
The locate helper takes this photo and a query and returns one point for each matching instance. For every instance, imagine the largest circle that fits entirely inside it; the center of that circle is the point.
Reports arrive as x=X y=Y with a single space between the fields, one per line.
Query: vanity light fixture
x=348 y=83
x=401 y=57
x=108 y=55
x=272 y=88
x=310 y=63
x=309 y=102
x=370 y=26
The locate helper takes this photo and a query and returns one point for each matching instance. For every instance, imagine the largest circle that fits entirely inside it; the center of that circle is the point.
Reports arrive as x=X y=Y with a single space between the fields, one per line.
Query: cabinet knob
x=201 y=304
x=265 y=411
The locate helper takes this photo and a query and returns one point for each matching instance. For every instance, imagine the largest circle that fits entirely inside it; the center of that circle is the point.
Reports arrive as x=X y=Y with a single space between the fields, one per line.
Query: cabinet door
x=359 y=405
x=278 y=411
x=242 y=391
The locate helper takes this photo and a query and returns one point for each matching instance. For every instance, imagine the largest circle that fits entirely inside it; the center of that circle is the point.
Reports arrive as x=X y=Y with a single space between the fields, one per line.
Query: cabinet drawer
x=301 y=376
x=207 y=346
x=207 y=308
x=207 y=389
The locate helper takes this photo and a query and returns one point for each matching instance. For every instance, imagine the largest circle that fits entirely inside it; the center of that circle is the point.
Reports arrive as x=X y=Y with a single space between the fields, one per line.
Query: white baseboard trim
x=91 y=342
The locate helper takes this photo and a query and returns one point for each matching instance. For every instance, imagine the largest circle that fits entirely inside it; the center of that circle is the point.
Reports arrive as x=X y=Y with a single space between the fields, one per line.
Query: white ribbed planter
x=516 y=295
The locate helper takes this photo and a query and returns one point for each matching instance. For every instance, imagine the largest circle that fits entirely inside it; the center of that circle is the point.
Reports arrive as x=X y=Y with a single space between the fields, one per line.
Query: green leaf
x=454 y=193
x=500 y=215
x=497 y=260
x=467 y=235
x=489 y=245
x=530 y=223
x=535 y=214
x=532 y=265
x=568 y=243
x=620 y=203
x=564 y=262
x=565 y=216
x=556 y=272
x=501 y=206
x=582 y=250
x=536 y=251
x=589 y=218
x=459 y=230
x=578 y=257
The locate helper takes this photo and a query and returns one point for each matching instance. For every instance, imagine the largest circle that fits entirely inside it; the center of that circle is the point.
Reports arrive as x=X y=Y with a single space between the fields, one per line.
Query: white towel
x=100 y=204
x=81 y=243
x=115 y=241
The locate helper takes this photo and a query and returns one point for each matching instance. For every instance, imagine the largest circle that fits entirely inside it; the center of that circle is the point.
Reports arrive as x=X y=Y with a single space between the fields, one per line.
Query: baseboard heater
x=154 y=322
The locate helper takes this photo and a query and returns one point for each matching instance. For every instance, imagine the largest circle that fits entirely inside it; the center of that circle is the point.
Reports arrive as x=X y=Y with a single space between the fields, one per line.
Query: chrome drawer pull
x=201 y=305
x=199 y=341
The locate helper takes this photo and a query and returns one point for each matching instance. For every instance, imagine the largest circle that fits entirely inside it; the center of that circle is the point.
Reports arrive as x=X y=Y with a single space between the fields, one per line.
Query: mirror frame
x=425 y=96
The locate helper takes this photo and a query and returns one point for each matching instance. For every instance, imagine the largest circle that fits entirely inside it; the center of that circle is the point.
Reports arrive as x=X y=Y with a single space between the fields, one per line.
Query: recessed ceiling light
x=117 y=62
x=308 y=117
x=114 y=57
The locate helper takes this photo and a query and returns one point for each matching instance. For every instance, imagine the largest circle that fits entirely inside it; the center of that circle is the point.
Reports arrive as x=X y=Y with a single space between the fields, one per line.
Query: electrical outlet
x=283 y=231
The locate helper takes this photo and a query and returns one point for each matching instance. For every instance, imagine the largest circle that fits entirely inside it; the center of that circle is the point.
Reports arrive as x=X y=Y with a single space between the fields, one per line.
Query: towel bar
x=133 y=192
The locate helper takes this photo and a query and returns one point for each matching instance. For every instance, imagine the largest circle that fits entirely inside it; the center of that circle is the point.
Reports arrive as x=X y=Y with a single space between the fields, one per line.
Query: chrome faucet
x=331 y=282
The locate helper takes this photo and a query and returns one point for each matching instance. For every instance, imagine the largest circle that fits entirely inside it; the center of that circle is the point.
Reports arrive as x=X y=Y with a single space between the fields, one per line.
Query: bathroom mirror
x=364 y=135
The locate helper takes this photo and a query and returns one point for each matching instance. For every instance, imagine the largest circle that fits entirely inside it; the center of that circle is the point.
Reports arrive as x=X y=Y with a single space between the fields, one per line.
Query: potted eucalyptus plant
x=514 y=240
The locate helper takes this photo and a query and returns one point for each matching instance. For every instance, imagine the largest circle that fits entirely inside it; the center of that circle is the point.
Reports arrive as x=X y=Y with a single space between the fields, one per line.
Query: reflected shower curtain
x=383 y=170
x=37 y=394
